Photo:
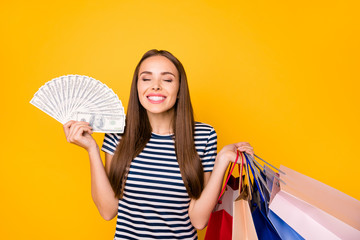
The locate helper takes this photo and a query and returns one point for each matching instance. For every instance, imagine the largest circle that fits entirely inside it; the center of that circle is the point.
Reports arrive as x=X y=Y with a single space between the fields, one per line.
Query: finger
x=242 y=149
x=78 y=124
x=247 y=149
x=83 y=122
x=69 y=123
x=249 y=152
x=74 y=138
x=73 y=129
x=78 y=133
x=67 y=126
x=87 y=129
x=66 y=131
x=240 y=144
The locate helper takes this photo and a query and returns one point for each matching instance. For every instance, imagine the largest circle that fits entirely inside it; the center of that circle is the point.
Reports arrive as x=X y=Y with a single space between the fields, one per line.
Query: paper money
x=102 y=122
x=67 y=97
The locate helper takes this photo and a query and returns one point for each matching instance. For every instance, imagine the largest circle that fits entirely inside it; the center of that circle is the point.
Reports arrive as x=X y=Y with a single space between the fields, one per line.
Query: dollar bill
x=103 y=122
x=63 y=97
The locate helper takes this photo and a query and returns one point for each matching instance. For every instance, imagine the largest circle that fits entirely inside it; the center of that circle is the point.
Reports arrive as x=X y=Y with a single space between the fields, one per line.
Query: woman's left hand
x=228 y=153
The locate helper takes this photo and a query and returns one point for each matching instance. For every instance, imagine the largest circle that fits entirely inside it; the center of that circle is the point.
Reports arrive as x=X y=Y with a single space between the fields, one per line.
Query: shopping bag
x=269 y=173
x=230 y=194
x=243 y=224
x=266 y=224
x=227 y=200
x=275 y=188
x=233 y=182
x=264 y=228
x=259 y=199
x=283 y=229
x=220 y=222
x=219 y=226
x=315 y=210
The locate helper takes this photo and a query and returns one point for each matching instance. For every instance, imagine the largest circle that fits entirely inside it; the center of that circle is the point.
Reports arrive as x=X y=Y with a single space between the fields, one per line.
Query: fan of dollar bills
x=81 y=98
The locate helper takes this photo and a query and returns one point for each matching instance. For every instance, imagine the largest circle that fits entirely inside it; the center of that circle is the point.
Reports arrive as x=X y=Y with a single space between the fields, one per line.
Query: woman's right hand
x=79 y=133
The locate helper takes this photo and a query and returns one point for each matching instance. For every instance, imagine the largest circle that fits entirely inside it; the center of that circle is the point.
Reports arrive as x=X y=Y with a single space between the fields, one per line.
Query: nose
x=156 y=85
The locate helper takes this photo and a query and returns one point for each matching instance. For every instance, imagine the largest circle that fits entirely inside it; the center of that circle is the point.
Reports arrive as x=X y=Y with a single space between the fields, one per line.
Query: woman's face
x=158 y=84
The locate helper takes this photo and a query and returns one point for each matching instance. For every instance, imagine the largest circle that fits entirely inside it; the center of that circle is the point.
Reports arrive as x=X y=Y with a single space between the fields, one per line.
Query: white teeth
x=156 y=98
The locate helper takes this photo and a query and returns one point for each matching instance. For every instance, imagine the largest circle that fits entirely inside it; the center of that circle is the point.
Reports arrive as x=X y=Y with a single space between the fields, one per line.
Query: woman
x=162 y=177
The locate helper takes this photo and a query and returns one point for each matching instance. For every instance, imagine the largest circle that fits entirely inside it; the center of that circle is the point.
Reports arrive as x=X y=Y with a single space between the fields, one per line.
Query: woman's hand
x=79 y=133
x=228 y=153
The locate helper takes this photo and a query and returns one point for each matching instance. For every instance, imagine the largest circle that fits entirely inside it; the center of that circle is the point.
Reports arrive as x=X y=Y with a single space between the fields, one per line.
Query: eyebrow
x=162 y=73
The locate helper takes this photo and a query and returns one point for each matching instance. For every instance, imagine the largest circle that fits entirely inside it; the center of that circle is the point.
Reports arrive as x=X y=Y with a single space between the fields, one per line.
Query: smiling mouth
x=156 y=99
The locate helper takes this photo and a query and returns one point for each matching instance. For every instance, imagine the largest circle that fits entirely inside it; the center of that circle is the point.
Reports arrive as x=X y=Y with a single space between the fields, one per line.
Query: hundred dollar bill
x=103 y=122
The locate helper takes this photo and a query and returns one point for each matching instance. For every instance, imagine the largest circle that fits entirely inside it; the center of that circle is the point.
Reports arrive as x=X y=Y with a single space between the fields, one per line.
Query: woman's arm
x=200 y=209
x=101 y=190
x=79 y=133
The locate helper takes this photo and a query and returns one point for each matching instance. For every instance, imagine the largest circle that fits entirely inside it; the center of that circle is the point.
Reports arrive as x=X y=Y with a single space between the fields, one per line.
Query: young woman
x=163 y=176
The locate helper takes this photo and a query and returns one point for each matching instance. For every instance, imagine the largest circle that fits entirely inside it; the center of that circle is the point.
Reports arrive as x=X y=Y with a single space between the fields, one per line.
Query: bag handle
x=241 y=171
x=231 y=171
x=256 y=176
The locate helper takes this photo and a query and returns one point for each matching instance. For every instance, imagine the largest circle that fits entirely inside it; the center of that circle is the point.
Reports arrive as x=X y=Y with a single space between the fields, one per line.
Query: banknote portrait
x=97 y=121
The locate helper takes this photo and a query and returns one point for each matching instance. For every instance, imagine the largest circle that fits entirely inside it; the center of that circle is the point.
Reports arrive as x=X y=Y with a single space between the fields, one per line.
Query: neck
x=161 y=123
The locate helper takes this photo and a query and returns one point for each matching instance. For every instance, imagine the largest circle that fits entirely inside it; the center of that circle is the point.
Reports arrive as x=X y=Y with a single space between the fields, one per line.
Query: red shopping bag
x=221 y=222
x=220 y=226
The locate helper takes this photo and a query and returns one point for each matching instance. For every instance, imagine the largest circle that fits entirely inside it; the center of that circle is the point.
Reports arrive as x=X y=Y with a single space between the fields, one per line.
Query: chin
x=156 y=111
x=159 y=111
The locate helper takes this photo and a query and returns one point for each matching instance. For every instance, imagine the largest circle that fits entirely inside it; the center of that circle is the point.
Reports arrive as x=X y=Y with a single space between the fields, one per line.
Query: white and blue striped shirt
x=155 y=201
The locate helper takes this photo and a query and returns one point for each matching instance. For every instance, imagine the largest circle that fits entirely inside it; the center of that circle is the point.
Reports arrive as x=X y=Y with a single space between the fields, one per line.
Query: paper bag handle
x=231 y=171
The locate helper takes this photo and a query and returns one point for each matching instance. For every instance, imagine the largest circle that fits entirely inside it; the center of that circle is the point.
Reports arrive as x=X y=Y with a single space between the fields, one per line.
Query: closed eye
x=168 y=80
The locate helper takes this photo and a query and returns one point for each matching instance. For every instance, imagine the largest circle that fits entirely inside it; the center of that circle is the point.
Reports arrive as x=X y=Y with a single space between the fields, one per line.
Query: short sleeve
x=210 y=146
x=111 y=140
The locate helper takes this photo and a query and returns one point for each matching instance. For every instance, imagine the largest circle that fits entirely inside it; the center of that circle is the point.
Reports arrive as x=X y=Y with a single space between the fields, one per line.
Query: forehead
x=158 y=64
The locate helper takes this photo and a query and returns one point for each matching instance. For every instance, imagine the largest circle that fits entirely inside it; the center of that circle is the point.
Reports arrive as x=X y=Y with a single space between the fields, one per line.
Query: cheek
x=140 y=89
x=141 y=97
x=174 y=94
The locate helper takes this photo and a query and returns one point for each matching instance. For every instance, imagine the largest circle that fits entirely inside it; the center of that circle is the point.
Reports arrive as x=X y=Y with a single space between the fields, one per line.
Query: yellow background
x=282 y=75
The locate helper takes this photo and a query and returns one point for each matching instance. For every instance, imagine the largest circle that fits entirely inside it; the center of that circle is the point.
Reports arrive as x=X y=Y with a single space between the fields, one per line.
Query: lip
x=155 y=98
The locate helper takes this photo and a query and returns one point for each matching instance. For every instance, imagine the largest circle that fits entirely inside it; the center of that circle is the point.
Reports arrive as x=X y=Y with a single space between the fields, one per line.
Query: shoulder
x=111 y=140
x=199 y=126
x=115 y=137
x=202 y=129
x=206 y=144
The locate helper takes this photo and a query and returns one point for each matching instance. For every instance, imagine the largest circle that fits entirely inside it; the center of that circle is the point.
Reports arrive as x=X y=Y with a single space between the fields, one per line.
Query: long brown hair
x=138 y=132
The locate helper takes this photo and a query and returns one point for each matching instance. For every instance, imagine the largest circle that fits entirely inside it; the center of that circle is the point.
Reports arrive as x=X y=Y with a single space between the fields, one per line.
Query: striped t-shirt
x=155 y=201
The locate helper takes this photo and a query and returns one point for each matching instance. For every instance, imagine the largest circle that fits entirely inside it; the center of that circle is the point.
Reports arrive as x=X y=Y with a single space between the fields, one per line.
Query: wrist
x=225 y=158
x=94 y=148
x=222 y=161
